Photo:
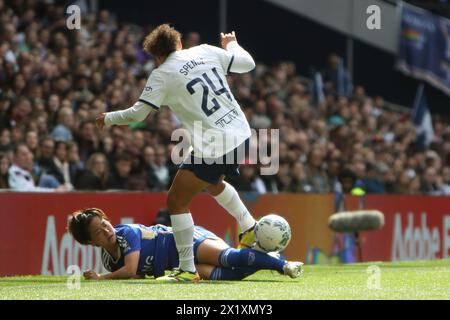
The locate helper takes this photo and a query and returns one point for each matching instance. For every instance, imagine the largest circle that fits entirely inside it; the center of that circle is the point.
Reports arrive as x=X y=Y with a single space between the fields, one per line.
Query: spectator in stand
x=414 y=186
x=5 y=104
x=96 y=174
x=359 y=168
x=5 y=140
x=19 y=174
x=60 y=168
x=87 y=140
x=53 y=83
x=120 y=174
x=404 y=180
x=49 y=176
x=45 y=153
x=336 y=78
x=248 y=180
x=76 y=166
x=334 y=168
x=32 y=141
x=4 y=167
x=429 y=182
x=63 y=131
x=299 y=182
x=347 y=178
x=157 y=171
x=259 y=118
x=372 y=182
x=317 y=177
x=445 y=181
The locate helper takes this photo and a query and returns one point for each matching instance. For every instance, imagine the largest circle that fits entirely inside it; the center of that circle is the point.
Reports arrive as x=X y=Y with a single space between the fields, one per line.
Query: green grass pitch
x=405 y=280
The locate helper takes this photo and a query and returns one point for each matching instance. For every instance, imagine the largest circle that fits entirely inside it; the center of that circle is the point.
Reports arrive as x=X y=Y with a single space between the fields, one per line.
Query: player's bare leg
x=209 y=251
x=184 y=187
x=227 y=196
x=205 y=270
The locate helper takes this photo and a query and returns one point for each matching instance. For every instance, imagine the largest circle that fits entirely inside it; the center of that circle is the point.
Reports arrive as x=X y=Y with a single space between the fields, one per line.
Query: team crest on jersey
x=148 y=234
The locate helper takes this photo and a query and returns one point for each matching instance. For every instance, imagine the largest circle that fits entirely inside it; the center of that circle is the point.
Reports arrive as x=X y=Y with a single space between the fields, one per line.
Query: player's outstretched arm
x=126 y=272
x=242 y=60
x=138 y=112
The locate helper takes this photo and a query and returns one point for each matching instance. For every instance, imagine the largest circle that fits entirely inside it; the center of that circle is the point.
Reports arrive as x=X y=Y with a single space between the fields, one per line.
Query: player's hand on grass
x=100 y=121
x=226 y=38
x=91 y=275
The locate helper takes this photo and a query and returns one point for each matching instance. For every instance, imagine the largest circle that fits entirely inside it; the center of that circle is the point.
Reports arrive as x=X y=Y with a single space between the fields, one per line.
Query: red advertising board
x=416 y=228
x=307 y=215
x=34 y=240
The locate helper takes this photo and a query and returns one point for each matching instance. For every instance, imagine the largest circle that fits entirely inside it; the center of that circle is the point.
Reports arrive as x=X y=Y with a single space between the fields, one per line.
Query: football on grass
x=272 y=233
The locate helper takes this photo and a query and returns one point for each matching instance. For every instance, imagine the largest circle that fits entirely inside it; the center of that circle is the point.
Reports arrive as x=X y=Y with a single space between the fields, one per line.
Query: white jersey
x=192 y=83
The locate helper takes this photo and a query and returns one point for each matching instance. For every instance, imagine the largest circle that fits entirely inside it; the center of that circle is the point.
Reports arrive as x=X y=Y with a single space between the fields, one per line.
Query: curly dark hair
x=78 y=224
x=162 y=41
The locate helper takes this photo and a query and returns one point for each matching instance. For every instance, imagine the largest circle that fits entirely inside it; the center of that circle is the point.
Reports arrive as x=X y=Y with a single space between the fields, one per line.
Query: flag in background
x=344 y=84
x=424 y=46
x=317 y=88
x=422 y=118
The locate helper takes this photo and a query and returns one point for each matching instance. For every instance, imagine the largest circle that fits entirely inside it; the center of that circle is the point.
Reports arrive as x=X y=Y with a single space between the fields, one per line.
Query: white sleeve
x=241 y=60
x=152 y=97
x=155 y=90
x=234 y=59
x=138 y=112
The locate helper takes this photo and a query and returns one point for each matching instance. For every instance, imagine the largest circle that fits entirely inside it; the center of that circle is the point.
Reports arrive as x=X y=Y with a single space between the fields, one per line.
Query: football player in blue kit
x=136 y=251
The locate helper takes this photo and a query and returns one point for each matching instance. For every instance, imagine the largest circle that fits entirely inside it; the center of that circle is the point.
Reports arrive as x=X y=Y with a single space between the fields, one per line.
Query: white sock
x=230 y=201
x=183 y=232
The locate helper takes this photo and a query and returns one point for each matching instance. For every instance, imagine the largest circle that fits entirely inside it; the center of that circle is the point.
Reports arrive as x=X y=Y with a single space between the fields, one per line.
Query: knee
x=216 y=189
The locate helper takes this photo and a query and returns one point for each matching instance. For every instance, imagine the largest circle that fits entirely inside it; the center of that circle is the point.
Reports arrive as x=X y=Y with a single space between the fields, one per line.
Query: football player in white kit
x=192 y=83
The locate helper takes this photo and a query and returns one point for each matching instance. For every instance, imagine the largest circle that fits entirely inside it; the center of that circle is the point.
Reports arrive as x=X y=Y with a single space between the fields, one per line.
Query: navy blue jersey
x=155 y=244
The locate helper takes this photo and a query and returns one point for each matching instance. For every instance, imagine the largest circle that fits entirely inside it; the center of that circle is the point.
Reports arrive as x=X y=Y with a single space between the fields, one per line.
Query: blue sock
x=220 y=273
x=250 y=258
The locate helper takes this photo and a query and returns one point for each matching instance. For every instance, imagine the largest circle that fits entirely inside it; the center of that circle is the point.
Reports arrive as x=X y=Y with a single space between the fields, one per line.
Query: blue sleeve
x=133 y=239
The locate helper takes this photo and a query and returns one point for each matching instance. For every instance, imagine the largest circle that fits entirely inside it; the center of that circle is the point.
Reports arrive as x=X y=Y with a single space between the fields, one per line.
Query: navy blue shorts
x=213 y=169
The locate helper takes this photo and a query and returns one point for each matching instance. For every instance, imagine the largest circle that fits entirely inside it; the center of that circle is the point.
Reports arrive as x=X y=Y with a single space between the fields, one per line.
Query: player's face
x=102 y=233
